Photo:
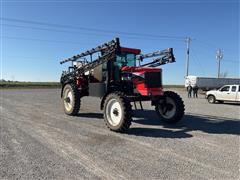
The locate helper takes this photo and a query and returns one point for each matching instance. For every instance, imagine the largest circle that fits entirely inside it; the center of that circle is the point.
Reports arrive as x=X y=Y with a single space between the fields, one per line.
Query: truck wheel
x=71 y=99
x=117 y=112
x=170 y=110
x=211 y=99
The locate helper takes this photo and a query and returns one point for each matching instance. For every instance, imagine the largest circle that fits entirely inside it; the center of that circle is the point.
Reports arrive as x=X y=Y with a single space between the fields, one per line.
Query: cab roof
x=130 y=50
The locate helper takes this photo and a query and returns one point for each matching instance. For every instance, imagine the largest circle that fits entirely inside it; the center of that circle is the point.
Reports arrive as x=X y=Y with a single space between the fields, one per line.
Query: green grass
x=17 y=84
x=10 y=84
x=174 y=86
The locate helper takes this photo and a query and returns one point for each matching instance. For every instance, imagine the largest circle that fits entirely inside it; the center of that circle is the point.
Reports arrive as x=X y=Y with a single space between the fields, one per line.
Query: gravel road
x=38 y=141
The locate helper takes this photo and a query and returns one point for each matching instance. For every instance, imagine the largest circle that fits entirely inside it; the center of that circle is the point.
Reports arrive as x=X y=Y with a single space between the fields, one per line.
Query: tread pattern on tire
x=214 y=99
x=180 y=108
x=76 y=98
x=127 y=112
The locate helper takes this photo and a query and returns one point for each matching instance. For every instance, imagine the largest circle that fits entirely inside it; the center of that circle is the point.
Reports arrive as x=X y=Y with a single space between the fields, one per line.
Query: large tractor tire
x=117 y=112
x=71 y=99
x=170 y=110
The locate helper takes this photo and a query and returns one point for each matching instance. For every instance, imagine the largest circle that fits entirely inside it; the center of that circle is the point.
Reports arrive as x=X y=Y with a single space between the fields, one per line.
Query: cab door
x=223 y=93
x=233 y=93
x=238 y=94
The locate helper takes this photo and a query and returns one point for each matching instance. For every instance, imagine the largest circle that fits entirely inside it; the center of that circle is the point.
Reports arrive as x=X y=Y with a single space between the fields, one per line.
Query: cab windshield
x=126 y=59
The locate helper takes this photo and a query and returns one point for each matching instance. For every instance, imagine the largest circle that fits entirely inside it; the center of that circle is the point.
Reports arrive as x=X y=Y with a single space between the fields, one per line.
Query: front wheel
x=211 y=99
x=117 y=112
x=171 y=108
x=71 y=99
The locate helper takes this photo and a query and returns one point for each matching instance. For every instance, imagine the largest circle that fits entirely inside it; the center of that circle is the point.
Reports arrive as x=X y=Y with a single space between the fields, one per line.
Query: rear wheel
x=171 y=108
x=211 y=99
x=71 y=99
x=117 y=112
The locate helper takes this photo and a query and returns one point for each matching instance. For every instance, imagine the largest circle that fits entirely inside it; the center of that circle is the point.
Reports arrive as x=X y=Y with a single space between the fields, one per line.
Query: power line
x=50 y=29
x=197 y=60
x=90 y=29
x=77 y=32
x=44 y=40
x=231 y=61
x=210 y=45
x=34 y=59
x=117 y=1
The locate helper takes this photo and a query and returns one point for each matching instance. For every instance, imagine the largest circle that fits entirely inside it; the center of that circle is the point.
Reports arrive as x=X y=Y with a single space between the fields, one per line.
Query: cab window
x=126 y=60
x=225 y=89
x=234 y=88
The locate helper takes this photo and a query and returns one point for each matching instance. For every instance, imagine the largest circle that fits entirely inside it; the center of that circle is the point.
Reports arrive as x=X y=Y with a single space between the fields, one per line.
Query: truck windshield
x=127 y=59
x=225 y=89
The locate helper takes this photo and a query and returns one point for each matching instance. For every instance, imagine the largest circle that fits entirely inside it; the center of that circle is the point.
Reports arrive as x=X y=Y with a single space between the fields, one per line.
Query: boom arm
x=109 y=49
x=166 y=56
x=111 y=44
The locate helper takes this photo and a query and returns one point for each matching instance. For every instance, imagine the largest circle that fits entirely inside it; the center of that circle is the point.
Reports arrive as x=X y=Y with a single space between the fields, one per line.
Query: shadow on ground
x=228 y=103
x=91 y=115
x=190 y=122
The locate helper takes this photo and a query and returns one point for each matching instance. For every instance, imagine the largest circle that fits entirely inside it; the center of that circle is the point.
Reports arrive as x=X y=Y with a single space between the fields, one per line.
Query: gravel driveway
x=39 y=141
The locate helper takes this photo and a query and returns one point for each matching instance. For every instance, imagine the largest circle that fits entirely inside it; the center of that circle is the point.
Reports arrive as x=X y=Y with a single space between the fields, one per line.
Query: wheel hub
x=114 y=112
x=67 y=100
x=168 y=108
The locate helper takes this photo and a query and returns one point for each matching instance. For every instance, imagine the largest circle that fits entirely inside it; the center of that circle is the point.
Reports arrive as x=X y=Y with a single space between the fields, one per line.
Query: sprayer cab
x=119 y=77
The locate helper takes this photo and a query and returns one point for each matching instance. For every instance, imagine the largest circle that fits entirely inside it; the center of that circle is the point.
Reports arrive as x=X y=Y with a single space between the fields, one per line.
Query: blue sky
x=31 y=51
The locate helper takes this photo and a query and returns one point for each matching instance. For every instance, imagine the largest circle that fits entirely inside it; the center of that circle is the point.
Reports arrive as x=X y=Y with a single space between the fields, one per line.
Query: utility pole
x=219 y=56
x=188 y=40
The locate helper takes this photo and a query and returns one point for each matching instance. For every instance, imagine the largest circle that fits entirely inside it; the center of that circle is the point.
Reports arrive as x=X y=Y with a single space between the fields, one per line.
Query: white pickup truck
x=225 y=93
